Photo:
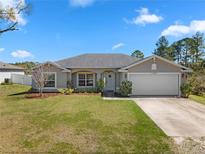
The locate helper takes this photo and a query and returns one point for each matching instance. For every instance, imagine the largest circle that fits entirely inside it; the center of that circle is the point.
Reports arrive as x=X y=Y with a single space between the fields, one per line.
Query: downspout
x=115 y=81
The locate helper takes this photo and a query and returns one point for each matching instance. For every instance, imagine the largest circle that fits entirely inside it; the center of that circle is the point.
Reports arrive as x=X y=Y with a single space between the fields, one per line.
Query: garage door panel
x=155 y=84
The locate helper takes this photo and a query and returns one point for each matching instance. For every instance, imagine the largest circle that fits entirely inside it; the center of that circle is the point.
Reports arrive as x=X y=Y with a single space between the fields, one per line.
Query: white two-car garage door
x=154 y=84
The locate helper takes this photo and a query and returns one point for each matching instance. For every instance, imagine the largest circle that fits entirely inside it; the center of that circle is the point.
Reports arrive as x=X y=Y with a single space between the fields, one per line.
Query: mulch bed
x=89 y=94
x=32 y=95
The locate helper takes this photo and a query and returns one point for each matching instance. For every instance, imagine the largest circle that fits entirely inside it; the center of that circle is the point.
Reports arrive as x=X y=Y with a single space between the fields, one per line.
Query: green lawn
x=199 y=99
x=76 y=124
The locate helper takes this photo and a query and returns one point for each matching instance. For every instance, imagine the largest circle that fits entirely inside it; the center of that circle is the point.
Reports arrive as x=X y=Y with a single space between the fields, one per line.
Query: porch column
x=98 y=76
x=69 y=76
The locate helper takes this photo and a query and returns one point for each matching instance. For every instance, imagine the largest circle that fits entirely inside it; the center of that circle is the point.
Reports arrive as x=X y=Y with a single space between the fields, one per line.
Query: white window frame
x=55 y=80
x=85 y=73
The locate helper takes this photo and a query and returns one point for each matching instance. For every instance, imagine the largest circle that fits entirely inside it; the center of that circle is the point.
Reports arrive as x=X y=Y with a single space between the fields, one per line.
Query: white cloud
x=145 y=17
x=119 y=45
x=1 y=50
x=81 y=3
x=21 y=54
x=180 y=30
x=6 y=4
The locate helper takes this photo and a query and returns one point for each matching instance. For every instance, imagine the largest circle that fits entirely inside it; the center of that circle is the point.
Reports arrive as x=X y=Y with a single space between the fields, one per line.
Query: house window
x=85 y=80
x=50 y=80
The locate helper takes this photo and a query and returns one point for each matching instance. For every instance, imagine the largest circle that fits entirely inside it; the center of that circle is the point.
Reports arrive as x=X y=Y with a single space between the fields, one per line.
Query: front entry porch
x=83 y=79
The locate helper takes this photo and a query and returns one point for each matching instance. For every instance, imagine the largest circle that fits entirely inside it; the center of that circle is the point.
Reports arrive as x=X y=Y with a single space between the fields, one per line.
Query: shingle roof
x=9 y=66
x=97 y=61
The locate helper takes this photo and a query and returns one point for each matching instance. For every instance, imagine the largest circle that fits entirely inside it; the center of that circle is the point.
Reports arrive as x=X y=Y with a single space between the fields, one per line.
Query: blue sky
x=58 y=29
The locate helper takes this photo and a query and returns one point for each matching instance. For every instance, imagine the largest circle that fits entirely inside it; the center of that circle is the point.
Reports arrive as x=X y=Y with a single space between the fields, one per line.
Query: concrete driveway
x=177 y=117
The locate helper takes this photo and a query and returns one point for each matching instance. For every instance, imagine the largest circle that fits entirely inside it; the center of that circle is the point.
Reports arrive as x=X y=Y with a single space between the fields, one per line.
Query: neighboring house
x=6 y=70
x=153 y=75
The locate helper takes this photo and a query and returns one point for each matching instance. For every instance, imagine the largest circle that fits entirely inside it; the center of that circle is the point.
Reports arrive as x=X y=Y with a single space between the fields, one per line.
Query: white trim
x=77 y=81
x=55 y=80
x=128 y=76
x=123 y=71
x=180 y=82
x=187 y=71
x=155 y=56
x=147 y=73
x=65 y=70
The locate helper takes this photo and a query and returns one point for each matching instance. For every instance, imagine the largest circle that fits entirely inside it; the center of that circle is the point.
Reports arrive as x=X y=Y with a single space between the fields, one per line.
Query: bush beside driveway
x=76 y=124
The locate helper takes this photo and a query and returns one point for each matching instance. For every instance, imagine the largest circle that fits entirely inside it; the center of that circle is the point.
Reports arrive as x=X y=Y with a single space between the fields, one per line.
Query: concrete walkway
x=177 y=117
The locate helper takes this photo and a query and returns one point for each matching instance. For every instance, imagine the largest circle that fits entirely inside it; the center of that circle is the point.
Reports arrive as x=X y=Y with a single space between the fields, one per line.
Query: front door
x=109 y=78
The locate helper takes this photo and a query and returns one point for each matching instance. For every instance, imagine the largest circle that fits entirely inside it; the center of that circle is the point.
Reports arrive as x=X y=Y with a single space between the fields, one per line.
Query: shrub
x=69 y=91
x=125 y=88
x=100 y=85
x=197 y=81
x=66 y=91
x=85 y=90
x=6 y=82
x=61 y=91
x=186 y=89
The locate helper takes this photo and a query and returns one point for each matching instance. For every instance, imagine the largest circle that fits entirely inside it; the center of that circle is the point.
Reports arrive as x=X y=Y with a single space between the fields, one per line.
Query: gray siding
x=61 y=77
x=161 y=67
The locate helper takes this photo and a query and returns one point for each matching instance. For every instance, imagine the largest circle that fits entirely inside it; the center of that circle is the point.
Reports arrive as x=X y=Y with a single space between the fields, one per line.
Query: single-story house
x=6 y=70
x=152 y=75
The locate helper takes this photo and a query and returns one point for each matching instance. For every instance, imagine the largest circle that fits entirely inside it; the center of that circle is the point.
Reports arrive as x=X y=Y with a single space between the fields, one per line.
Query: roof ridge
x=84 y=54
x=97 y=60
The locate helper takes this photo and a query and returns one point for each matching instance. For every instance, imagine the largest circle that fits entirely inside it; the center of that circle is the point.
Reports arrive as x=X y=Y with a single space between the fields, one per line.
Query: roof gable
x=155 y=56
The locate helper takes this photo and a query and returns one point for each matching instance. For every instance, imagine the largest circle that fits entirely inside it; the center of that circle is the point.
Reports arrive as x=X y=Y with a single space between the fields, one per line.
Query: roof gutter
x=187 y=71
x=122 y=70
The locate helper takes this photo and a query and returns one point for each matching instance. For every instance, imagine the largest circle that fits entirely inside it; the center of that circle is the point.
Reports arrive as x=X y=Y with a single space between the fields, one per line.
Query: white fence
x=7 y=75
x=21 y=79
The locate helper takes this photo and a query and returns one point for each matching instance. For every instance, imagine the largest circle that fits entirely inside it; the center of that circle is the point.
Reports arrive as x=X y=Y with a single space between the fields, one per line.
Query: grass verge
x=76 y=124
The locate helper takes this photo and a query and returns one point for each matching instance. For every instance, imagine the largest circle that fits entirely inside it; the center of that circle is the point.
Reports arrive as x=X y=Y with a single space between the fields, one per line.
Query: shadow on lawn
x=20 y=93
x=32 y=94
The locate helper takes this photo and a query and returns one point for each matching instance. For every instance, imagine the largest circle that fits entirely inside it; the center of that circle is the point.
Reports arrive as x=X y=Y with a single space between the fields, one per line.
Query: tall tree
x=190 y=51
x=187 y=48
x=176 y=49
x=39 y=76
x=183 y=49
x=198 y=47
x=11 y=14
x=163 y=48
x=138 y=54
